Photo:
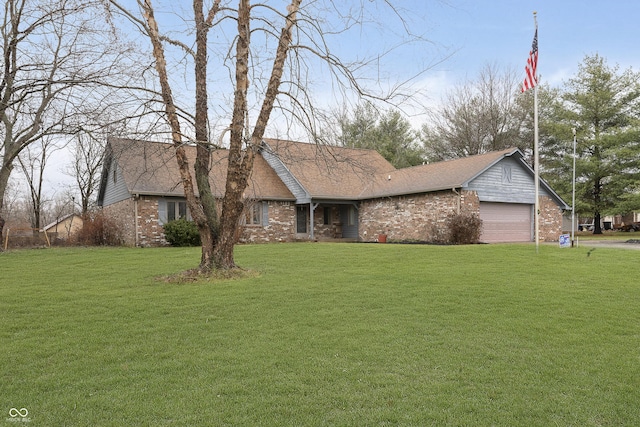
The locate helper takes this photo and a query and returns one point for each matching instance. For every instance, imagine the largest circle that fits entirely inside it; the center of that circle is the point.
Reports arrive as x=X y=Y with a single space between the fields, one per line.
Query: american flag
x=532 y=64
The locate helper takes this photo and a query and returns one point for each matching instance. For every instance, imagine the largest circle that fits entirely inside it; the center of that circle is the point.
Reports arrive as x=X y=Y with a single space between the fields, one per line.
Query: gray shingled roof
x=325 y=172
x=151 y=168
x=329 y=172
x=435 y=176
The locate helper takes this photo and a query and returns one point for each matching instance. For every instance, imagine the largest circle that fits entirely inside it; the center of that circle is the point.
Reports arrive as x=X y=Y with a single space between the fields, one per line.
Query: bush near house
x=182 y=232
x=464 y=229
x=459 y=229
x=99 y=230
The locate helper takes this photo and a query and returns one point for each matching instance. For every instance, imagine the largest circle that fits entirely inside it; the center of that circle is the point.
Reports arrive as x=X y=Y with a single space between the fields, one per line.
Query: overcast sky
x=466 y=35
x=501 y=31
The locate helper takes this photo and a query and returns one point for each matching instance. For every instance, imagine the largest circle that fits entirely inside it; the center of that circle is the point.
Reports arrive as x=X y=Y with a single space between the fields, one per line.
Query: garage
x=505 y=222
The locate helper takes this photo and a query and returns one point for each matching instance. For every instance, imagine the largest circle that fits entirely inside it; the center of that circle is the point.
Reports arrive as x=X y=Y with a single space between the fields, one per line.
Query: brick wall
x=281 y=228
x=150 y=232
x=550 y=221
x=122 y=214
x=414 y=217
x=322 y=230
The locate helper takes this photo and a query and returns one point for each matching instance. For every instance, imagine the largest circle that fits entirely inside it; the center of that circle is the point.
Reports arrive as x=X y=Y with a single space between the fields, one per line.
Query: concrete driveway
x=631 y=243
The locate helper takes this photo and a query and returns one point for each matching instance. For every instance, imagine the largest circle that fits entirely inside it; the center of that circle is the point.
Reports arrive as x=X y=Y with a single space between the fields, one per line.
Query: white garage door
x=505 y=222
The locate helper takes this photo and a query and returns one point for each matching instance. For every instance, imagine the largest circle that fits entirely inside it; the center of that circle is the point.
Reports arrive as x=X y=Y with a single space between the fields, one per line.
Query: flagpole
x=536 y=157
x=573 y=193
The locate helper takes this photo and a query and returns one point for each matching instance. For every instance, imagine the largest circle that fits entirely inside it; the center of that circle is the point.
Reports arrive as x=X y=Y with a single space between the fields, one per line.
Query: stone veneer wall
x=550 y=220
x=150 y=232
x=413 y=217
x=122 y=214
x=322 y=230
x=281 y=228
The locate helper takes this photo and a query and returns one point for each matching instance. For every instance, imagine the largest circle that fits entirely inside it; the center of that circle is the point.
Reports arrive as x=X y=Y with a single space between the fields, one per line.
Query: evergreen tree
x=601 y=103
x=388 y=133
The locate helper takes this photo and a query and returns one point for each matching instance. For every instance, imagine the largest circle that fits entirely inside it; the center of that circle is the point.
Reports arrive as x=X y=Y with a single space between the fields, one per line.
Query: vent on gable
x=506 y=174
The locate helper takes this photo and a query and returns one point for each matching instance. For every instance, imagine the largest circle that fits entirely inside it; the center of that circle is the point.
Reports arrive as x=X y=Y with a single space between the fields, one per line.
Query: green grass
x=325 y=334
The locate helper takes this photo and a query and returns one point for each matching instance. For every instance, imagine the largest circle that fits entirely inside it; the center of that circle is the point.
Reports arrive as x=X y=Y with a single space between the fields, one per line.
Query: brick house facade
x=550 y=220
x=418 y=217
x=305 y=192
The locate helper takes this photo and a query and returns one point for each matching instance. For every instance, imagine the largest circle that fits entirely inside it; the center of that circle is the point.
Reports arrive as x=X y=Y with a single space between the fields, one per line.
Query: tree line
x=69 y=82
x=600 y=102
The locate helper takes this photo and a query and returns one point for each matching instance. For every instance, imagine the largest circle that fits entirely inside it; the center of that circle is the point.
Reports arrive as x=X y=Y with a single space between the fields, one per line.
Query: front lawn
x=323 y=334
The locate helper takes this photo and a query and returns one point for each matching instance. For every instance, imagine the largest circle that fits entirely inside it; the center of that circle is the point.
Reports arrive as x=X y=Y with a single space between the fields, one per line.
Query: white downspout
x=135 y=209
x=459 y=200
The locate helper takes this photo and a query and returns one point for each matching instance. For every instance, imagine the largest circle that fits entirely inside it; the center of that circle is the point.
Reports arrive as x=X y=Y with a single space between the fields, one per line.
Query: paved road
x=618 y=244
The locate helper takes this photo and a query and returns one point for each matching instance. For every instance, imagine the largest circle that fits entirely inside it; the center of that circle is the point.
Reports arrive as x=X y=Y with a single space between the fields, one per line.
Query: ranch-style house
x=301 y=191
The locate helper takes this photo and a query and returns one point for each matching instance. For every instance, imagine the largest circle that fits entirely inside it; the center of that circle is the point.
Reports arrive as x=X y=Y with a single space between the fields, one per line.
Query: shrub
x=182 y=232
x=464 y=228
x=99 y=230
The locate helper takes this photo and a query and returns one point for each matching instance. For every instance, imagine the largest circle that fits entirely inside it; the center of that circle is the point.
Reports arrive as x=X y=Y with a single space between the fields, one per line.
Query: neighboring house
x=304 y=191
x=65 y=227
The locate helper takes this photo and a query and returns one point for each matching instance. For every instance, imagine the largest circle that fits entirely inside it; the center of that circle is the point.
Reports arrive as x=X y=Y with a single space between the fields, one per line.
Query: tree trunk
x=197 y=212
x=208 y=234
x=232 y=205
x=241 y=158
x=5 y=172
x=218 y=234
x=597 y=228
x=597 y=202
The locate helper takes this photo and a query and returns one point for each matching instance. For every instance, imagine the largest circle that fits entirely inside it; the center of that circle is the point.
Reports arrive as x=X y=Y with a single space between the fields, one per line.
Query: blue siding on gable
x=511 y=185
x=301 y=195
x=115 y=189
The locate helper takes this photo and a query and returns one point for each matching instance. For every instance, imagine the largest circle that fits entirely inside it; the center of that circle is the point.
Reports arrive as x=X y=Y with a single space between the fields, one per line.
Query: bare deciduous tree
x=269 y=54
x=33 y=161
x=88 y=156
x=477 y=117
x=51 y=51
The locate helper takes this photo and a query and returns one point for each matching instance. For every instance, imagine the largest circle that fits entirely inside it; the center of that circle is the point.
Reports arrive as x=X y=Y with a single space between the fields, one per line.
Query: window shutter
x=162 y=211
x=265 y=214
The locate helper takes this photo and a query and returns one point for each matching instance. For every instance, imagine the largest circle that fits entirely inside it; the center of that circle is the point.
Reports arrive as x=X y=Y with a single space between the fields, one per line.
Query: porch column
x=312 y=208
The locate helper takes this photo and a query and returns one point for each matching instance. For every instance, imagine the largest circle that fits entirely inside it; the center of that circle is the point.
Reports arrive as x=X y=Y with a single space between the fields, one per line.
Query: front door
x=349 y=219
x=302 y=215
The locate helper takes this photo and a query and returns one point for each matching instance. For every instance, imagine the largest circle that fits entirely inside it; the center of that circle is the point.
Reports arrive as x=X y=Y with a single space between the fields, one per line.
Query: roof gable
x=289 y=170
x=445 y=175
x=60 y=222
x=150 y=168
x=328 y=172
